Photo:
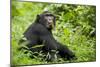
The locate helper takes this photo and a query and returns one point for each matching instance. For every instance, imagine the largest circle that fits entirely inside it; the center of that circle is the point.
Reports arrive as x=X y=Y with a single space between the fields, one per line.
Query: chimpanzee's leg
x=65 y=52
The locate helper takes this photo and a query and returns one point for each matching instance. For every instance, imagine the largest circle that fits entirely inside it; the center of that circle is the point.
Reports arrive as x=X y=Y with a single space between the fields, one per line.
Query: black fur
x=38 y=34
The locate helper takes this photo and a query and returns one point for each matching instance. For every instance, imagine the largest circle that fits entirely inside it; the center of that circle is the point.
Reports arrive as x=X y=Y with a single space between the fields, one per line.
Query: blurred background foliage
x=75 y=27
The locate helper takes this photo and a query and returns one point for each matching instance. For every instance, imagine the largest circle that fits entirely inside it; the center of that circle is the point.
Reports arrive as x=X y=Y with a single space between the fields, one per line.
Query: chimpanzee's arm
x=52 y=44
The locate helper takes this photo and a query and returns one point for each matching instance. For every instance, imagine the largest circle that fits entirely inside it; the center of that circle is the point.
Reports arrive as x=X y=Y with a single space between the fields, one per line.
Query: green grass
x=84 y=47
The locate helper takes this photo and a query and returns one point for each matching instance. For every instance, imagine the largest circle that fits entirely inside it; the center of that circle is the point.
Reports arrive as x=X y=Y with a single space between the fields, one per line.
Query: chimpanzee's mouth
x=49 y=26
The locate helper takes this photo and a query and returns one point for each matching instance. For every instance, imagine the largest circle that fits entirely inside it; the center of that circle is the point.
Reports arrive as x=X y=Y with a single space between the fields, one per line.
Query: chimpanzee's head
x=47 y=19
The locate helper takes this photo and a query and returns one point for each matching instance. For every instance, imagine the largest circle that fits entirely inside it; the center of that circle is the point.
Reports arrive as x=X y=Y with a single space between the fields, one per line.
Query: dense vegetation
x=75 y=28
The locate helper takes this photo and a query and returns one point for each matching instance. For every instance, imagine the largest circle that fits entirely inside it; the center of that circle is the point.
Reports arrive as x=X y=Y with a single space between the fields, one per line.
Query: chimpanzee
x=40 y=33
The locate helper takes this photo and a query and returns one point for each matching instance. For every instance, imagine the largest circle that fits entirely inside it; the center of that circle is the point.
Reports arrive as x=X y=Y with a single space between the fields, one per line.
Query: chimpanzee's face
x=48 y=20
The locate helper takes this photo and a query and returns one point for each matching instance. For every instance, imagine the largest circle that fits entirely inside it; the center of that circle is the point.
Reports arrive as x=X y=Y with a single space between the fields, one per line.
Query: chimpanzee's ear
x=37 y=18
